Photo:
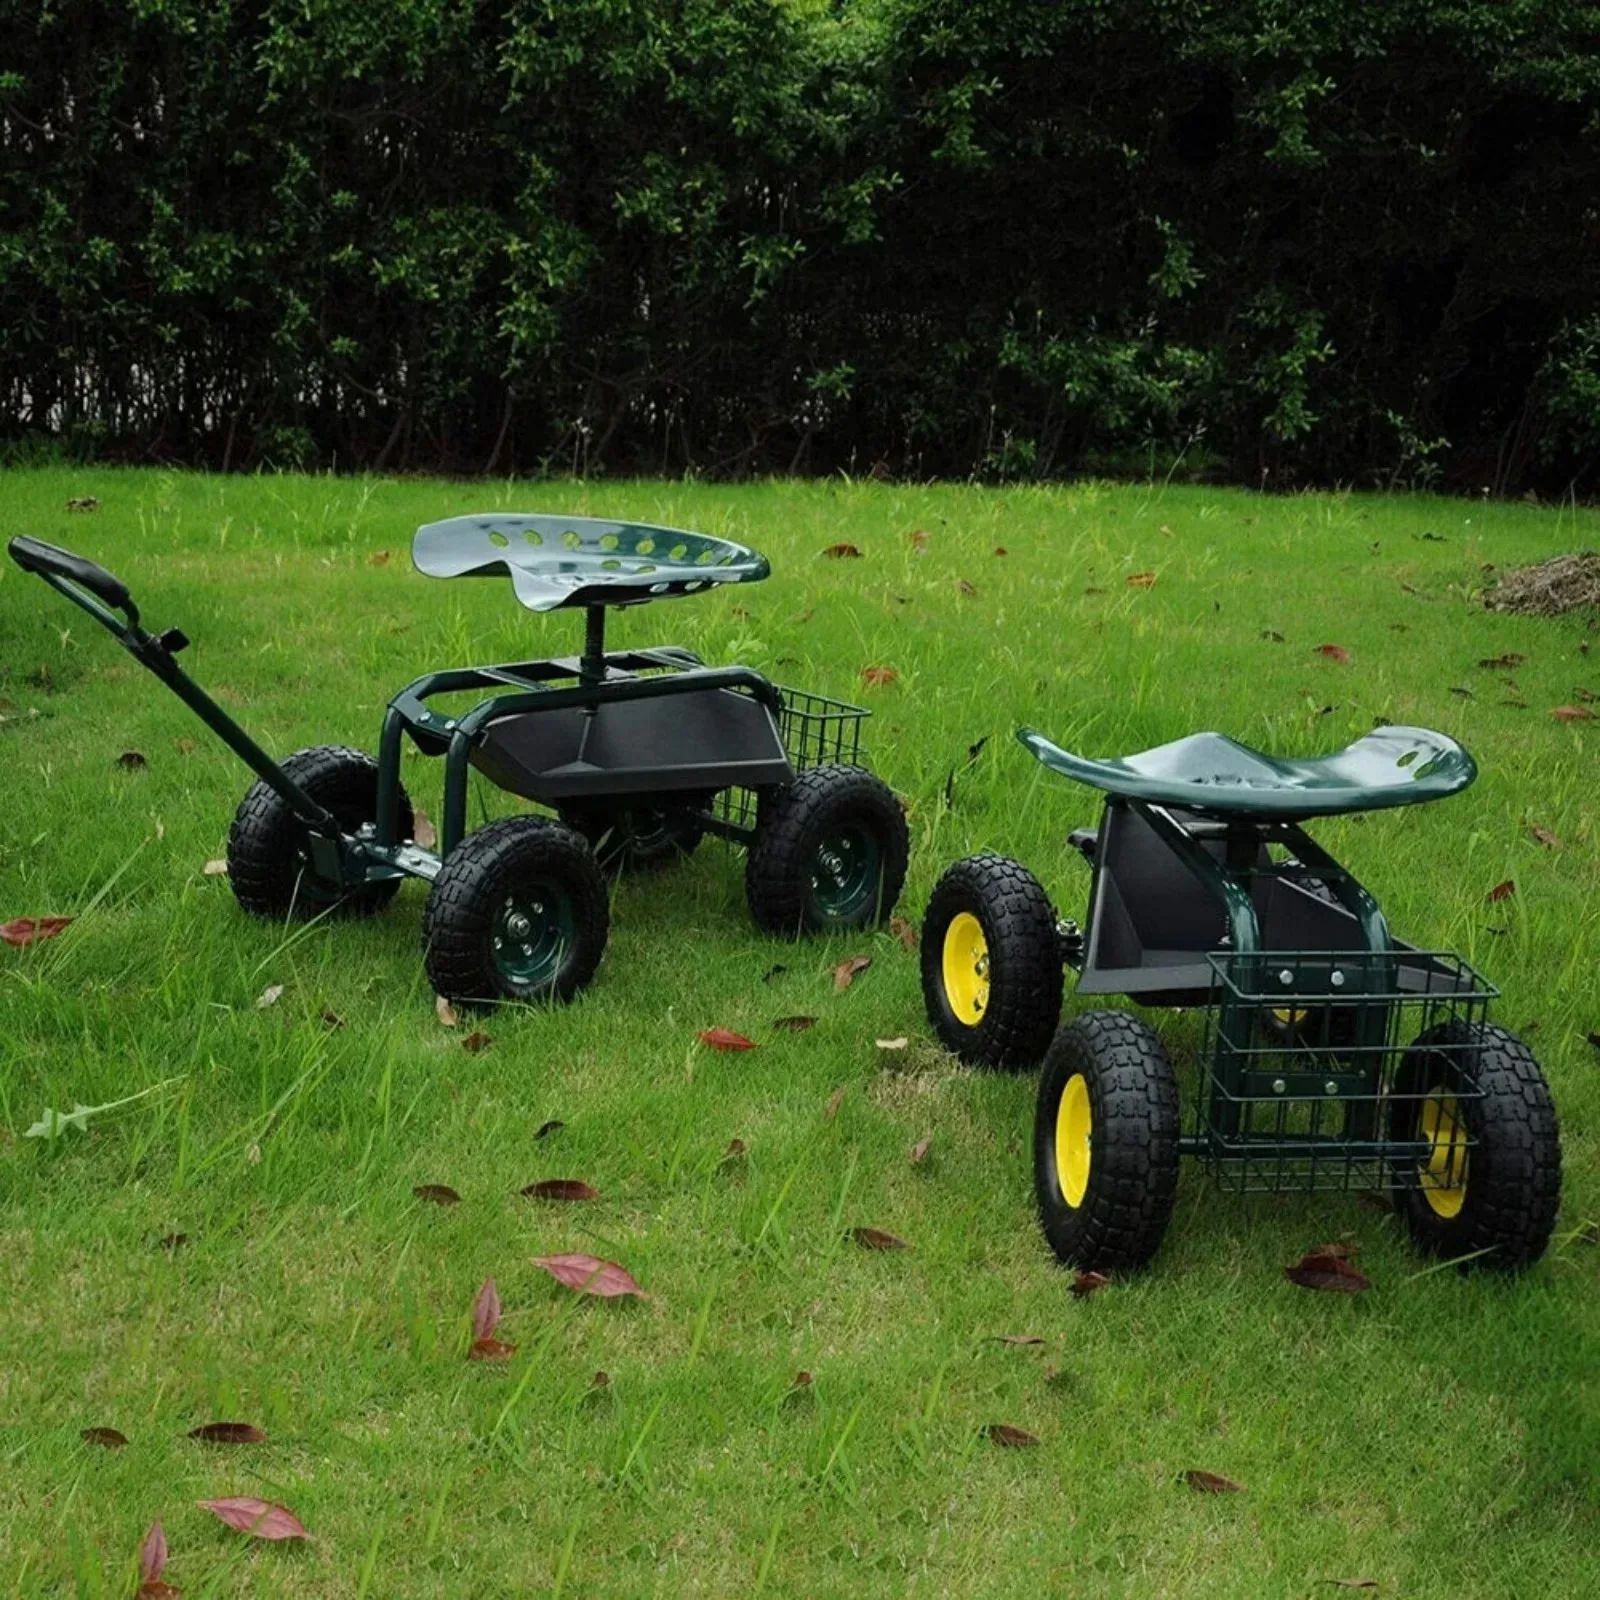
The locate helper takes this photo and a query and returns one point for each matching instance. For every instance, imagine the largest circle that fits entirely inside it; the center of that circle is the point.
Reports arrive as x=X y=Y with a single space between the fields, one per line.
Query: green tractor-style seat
x=582 y=561
x=1214 y=775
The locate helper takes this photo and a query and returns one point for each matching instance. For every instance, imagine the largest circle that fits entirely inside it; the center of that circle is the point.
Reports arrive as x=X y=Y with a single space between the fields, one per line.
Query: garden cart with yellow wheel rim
x=639 y=753
x=1333 y=1055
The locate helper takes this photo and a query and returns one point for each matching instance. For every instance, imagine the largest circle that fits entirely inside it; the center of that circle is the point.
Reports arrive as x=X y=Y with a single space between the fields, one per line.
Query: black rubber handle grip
x=34 y=555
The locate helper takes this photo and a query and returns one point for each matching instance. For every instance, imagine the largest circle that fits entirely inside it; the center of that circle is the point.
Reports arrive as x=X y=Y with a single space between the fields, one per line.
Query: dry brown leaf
x=891 y=1044
x=736 y=1148
x=878 y=677
x=445 y=1012
x=845 y=973
x=486 y=1310
x=153 y=1552
x=490 y=1349
x=1329 y=1274
x=476 y=1042
x=966 y=586
x=423 y=832
x=106 y=1438
x=261 y=1519
x=1502 y=891
x=561 y=1189
x=1334 y=652
x=793 y=1024
x=841 y=552
x=1088 y=1283
x=802 y=1380
x=835 y=1100
x=590 y=1275
x=1211 y=1482
x=1545 y=837
x=439 y=1194
x=228 y=1433
x=919 y=1151
x=1000 y=550
x=601 y=1380
x=23 y=931
x=1003 y=1433
x=331 y=1018
x=1140 y=580
x=726 y=1039
x=378 y=558
x=902 y=930
x=1573 y=714
x=877 y=1239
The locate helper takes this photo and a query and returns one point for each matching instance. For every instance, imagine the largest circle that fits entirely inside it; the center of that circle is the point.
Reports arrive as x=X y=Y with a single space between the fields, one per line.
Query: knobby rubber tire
x=1133 y=1167
x=1513 y=1175
x=1025 y=966
x=791 y=826
x=269 y=863
x=514 y=854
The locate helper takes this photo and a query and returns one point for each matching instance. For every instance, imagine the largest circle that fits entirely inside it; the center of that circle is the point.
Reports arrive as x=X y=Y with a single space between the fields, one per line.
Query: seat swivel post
x=592 y=664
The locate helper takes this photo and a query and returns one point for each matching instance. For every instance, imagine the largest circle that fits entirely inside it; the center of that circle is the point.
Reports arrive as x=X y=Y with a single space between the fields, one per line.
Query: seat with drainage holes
x=582 y=561
x=1214 y=775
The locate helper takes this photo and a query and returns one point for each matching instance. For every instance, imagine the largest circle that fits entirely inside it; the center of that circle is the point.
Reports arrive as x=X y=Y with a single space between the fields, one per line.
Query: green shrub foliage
x=1292 y=240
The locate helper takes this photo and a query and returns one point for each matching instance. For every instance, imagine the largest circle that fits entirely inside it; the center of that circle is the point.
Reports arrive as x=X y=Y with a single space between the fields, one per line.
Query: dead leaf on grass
x=438 y=1194
x=1088 y=1283
x=1502 y=891
x=590 y=1275
x=228 y=1433
x=23 y=931
x=902 y=930
x=919 y=1151
x=106 y=1438
x=877 y=1239
x=725 y=1039
x=561 y=1189
x=846 y=972
x=1334 y=652
x=1011 y=1438
x=269 y=996
x=1328 y=1274
x=1211 y=1482
x=261 y=1519
x=216 y=869
x=793 y=1024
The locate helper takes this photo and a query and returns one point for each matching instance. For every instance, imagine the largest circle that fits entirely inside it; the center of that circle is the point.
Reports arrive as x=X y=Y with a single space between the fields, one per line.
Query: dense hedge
x=1355 y=240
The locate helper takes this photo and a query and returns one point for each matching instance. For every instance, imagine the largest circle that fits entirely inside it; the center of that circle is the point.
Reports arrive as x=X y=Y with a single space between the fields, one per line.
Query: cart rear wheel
x=1491 y=1183
x=991 y=963
x=1105 y=1143
x=639 y=838
x=829 y=853
x=269 y=847
x=519 y=911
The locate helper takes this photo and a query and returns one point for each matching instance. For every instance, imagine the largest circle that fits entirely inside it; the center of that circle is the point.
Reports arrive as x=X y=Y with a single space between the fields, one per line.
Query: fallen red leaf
x=156 y=1589
x=845 y=973
x=1000 y=550
x=726 y=1039
x=601 y=1380
x=904 y=932
x=841 y=552
x=1087 y=1283
x=1502 y=891
x=488 y=1349
x=228 y=1433
x=919 y=1151
x=1573 y=714
x=153 y=1552
x=589 y=1275
x=802 y=1380
x=261 y=1519
x=1002 y=1433
x=439 y=1194
x=1340 y=1250
x=1330 y=1274
x=486 y=1310
x=1141 y=580
x=1211 y=1483
x=561 y=1189
x=106 y=1438
x=793 y=1024
x=736 y=1148
x=877 y=677
x=1334 y=652
x=22 y=931
x=476 y=1042
x=877 y=1239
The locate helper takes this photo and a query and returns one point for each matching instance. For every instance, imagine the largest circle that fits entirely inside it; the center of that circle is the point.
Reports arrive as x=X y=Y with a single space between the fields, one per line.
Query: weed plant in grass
x=1437 y=1433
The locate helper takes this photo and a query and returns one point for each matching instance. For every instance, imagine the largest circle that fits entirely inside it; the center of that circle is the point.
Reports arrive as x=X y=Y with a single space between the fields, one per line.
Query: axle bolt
x=518 y=926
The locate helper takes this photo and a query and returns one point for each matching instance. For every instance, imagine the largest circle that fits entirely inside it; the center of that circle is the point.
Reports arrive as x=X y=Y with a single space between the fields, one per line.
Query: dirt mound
x=1553 y=587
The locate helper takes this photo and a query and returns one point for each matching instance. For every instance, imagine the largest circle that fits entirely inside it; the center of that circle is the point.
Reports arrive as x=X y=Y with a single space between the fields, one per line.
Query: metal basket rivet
x=1278 y=1086
x=1330 y=1087
x=1337 y=980
x=1286 y=977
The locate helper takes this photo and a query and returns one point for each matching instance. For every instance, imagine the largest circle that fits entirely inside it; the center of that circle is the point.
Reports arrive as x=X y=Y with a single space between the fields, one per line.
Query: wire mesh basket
x=816 y=731
x=1338 y=1070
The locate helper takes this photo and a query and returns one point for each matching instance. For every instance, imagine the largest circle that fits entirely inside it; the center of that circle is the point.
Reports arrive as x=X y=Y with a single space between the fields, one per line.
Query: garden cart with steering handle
x=639 y=753
x=1332 y=1054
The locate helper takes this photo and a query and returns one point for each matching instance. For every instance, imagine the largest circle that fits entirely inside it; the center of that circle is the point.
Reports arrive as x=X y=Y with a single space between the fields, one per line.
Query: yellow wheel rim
x=966 y=969
x=1074 y=1135
x=1444 y=1176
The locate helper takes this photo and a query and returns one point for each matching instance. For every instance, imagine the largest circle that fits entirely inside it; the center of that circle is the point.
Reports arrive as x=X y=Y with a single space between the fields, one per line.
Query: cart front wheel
x=1490 y=1183
x=519 y=911
x=991 y=963
x=829 y=853
x=1105 y=1143
x=269 y=847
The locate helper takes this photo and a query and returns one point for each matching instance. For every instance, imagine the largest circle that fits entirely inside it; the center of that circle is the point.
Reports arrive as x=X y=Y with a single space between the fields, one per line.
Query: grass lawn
x=1440 y=1434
